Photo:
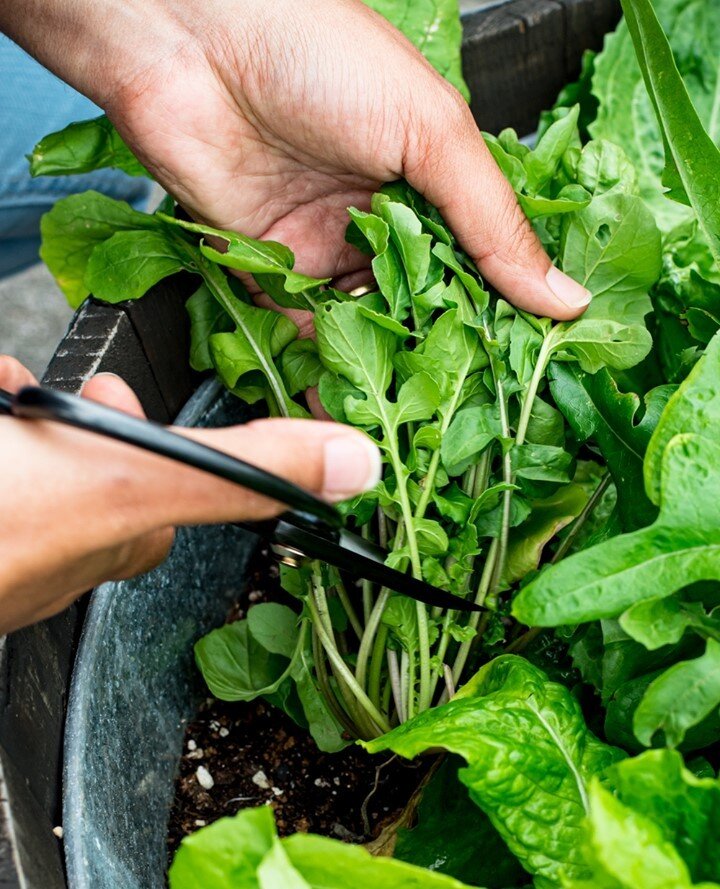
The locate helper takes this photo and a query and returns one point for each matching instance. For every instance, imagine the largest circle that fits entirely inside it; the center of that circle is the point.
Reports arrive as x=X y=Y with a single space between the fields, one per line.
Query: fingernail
x=574 y=295
x=352 y=465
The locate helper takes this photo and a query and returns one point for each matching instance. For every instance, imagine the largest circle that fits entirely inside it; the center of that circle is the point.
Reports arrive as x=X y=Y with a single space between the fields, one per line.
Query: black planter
x=135 y=682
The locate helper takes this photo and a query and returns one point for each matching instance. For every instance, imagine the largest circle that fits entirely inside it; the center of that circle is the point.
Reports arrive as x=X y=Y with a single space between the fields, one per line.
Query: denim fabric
x=34 y=102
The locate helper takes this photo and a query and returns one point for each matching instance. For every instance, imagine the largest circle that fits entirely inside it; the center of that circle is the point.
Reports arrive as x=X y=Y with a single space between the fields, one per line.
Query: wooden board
x=517 y=57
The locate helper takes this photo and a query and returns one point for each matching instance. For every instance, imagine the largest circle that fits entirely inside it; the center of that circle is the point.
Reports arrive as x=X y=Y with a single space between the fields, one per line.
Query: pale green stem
x=368 y=637
x=347 y=605
x=474 y=620
x=342 y=670
x=218 y=285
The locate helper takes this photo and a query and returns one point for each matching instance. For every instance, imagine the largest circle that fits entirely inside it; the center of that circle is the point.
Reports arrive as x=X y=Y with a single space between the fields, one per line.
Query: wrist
x=98 y=48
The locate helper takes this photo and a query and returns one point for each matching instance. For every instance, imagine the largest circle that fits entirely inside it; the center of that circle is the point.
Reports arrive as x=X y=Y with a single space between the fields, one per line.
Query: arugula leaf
x=681 y=547
x=300 y=366
x=434 y=27
x=244 y=852
x=129 y=263
x=81 y=148
x=692 y=160
x=527 y=542
x=596 y=409
x=656 y=622
x=612 y=247
x=207 y=317
x=238 y=666
x=529 y=757
x=270 y=263
x=74 y=227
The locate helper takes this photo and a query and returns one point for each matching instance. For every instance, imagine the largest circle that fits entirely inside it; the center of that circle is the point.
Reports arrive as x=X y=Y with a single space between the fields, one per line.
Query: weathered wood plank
x=519 y=55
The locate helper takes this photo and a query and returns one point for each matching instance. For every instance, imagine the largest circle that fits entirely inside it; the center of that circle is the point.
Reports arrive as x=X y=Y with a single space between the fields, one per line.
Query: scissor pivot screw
x=288 y=555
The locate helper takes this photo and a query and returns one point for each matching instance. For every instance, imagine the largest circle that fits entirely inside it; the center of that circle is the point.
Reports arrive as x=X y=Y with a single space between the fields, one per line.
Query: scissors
x=312 y=529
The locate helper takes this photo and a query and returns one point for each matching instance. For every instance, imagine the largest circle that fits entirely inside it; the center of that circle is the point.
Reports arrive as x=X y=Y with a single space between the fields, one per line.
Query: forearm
x=99 y=48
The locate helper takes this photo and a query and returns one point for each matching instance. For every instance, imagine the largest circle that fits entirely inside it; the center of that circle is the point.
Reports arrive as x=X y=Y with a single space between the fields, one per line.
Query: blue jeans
x=33 y=102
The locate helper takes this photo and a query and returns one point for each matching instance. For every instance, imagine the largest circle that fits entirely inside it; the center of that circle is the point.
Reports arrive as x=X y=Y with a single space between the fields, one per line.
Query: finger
x=112 y=391
x=450 y=164
x=13 y=375
x=312 y=396
x=330 y=460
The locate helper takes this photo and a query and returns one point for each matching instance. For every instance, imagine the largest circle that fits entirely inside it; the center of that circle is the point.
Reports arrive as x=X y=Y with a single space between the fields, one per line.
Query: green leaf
x=692 y=160
x=406 y=232
x=454 y=837
x=656 y=622
x=270 y=263
x=207 y=317
x=261 y=335
x=529 y=757
x=542 y=162
x=434 y=27
x=74 y=227
x=418 y=398
x=470 y=432
x=680 y=698
x=225 y=855
x=238 y=667
x=653 y=824
x=275 y=627
x=621 y=426
x=244 y=852
x=527 y=542
x=300 y=366
x=625 y=850
x=596 y=344
x=685 y=808
x=695 y=407
x=129 y=263
x=81 y=148
x=680 y=548
x=612 y=247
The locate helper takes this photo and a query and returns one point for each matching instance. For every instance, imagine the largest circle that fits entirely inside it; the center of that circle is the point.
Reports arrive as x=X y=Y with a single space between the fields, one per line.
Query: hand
x=272 y=118
x=79 y=509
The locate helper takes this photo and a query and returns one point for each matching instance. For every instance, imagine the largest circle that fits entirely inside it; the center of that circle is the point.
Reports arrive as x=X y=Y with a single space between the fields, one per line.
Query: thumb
x=328 y=459
x=453 y=168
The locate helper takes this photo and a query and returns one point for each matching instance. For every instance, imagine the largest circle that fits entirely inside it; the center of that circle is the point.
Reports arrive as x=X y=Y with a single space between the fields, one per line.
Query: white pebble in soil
x=204 y=778
x=191 y=745
x=58 y=831
x=223 y=732
x=261 y=779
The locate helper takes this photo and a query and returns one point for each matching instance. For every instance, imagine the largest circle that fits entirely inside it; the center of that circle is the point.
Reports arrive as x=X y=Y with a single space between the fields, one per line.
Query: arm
x=57 y=540
x=272 y=118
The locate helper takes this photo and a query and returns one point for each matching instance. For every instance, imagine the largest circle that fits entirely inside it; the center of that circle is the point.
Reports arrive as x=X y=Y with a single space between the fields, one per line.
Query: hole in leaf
x=603 y=234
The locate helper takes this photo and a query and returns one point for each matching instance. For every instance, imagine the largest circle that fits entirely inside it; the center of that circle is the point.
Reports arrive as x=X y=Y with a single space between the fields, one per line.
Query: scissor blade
x=363 y=559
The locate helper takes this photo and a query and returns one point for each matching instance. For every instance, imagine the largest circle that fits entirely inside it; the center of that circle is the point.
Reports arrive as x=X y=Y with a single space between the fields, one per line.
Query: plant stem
x=523 y=641
x=218 y=285
x=570 y=537
x=376 y=662
x=339 y=665
x=347 y=604
x=368 y=637
x=532 y=389
x=326 y=689
x=396 y=684
x=474 y=620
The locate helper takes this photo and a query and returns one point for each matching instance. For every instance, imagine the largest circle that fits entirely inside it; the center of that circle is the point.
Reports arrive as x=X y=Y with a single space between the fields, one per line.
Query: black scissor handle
x=34 y=402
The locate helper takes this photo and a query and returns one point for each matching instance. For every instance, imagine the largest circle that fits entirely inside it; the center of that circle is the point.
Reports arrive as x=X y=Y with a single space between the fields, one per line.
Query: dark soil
x=255 y=755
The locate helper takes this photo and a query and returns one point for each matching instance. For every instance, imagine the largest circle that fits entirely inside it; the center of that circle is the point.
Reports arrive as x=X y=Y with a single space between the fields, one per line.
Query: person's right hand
x=78 y=509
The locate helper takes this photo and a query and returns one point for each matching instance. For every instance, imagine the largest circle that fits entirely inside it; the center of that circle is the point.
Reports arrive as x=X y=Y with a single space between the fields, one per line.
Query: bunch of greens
x=563 y=475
